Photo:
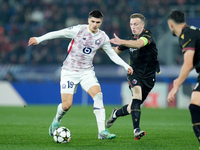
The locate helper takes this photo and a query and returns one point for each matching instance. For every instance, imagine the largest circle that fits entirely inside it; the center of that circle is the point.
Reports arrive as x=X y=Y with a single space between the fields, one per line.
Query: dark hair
x=138 y=15
x=96 y=14
x=177 y=16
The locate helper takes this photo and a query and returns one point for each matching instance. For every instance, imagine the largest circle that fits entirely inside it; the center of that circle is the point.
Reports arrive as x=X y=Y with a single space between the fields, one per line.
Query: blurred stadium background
x=30 y=75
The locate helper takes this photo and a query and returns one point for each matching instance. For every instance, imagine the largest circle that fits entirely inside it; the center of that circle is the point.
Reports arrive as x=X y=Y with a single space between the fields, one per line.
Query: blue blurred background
x=34 y=71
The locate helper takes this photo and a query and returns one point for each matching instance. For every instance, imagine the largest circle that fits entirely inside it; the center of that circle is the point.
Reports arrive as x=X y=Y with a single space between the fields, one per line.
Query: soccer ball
x=62 y=135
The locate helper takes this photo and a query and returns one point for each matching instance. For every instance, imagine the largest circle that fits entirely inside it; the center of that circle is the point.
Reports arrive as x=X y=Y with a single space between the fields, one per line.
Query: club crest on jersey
x=63 y=86
x=98 y=41
x=134 y=81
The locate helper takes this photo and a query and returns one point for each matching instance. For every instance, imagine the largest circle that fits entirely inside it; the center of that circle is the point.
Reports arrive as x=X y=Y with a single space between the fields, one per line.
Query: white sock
x=100 y=117
x=99 y=111
x=60 y=113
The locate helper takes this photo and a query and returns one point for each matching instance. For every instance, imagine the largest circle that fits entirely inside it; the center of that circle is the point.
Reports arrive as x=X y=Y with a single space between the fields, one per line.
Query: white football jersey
x=83 y=47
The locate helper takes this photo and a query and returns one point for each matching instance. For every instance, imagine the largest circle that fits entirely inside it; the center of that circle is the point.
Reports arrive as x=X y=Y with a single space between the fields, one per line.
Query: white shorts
x=70 y=80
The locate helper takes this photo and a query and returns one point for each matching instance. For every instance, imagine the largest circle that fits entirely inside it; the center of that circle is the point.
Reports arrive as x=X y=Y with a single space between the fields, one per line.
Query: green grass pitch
x=26 y=128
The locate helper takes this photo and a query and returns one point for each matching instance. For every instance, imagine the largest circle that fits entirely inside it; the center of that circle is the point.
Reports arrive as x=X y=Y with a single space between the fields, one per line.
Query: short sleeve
x=187 y=41
x=148 y=35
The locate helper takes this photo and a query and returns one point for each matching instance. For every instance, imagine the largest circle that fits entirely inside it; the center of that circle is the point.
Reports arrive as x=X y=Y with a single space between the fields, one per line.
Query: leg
x=126 y=109
x=99 y=111
x=64 y=106
x=140 y=90
x=195 y=113
x=115 y=114
x=68 y=84
x=90 y=84
x=134 y=107
x=61 y=111
x=135 y=110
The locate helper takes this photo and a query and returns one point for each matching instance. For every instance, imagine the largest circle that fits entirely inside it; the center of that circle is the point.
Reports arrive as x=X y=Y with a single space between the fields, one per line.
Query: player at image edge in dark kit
x=189 y=41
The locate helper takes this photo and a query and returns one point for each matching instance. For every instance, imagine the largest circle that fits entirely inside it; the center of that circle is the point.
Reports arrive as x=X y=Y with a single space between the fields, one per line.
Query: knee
x=67 y=100
x=66 y=106
x=136 y=92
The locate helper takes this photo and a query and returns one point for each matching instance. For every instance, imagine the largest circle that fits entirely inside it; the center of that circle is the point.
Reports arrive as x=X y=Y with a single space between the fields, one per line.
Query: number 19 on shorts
x=70 y=84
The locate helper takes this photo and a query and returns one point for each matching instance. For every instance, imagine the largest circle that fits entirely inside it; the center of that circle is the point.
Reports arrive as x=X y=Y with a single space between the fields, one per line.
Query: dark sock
x=195 y=115
x=122 y=112
x=136 y=112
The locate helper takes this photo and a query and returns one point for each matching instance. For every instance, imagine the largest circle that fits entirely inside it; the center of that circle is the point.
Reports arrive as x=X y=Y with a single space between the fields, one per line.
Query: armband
x=145 y=40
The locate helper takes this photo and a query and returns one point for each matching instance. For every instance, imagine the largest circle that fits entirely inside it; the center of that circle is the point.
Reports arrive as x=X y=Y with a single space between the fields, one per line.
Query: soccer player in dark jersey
x=189 y=40
x=143 y=60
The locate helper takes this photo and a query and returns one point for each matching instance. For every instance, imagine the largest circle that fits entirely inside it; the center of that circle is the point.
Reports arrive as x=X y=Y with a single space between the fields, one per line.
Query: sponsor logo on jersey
x=87 y=50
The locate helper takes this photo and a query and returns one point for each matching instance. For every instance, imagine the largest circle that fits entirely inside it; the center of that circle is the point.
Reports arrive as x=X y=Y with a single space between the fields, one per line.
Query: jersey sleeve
x=69 y=32
x=112 y=54
x=122 y=48
x=187 y=41
x=148 y=36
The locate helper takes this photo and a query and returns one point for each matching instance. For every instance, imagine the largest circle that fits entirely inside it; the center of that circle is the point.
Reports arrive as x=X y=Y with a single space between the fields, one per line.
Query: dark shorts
x=146 y=84
x=197 y=85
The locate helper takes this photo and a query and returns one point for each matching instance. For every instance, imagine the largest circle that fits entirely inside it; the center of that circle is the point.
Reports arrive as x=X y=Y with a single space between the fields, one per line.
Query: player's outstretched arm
x=32 y=41
x=116 y=40
x=128 y=43
x=63 y=33
x=115 y=58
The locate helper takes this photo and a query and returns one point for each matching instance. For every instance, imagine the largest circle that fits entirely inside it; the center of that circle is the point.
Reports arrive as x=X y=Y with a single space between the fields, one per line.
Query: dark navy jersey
x=144 y=60
x=190 y=40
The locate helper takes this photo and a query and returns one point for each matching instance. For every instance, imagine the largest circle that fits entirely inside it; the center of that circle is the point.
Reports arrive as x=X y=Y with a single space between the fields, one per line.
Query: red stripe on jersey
x=148 y=41
x=188 y=48
x=71 y=46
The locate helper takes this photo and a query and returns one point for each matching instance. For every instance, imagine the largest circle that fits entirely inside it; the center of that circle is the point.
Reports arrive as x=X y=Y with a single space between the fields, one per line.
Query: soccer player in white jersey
x=78 y=67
